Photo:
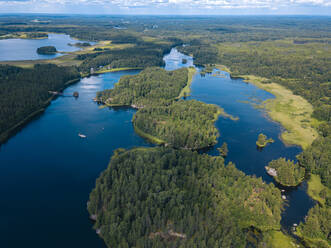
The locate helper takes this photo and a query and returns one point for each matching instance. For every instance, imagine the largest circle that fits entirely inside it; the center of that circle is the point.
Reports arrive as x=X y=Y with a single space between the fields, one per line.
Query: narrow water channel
x=48 y=171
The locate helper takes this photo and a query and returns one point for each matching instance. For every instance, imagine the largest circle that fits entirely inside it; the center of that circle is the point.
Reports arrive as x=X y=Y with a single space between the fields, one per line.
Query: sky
x=169 y=7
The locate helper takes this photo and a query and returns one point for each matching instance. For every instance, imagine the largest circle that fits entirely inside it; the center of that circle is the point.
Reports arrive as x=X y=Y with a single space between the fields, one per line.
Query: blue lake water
x=26 y=49
x=47 y=171
x=238 y=98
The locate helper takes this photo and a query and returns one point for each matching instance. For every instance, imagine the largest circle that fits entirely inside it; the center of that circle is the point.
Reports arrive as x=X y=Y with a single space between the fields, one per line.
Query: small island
x=223 y=150
x=80 y=44
x=286 y=172
x=47 y=50
x=263 y=141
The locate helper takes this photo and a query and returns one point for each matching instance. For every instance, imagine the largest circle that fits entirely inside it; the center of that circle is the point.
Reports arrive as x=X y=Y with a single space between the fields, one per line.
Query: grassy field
x=104 y=70
x=277 y=239
x=315 y=187
x=312 y=242
x=187 y=89
x=292 y=111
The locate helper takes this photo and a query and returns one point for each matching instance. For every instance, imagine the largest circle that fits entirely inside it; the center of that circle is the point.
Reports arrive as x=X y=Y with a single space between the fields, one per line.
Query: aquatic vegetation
x=263 y=141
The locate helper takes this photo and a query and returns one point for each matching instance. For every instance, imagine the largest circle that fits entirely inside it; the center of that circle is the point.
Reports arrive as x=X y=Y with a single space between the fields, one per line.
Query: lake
x=26 y=49
x=47 y=171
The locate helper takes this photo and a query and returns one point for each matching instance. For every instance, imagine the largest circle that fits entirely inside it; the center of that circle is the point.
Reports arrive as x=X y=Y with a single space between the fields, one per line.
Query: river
x=47 y=171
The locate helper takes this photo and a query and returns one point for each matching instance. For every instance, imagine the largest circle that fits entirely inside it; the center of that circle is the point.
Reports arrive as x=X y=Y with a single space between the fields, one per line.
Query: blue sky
x=173 y=7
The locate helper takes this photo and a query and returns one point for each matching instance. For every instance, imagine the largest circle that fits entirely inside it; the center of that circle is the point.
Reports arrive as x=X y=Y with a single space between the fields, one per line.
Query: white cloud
x=168 y=5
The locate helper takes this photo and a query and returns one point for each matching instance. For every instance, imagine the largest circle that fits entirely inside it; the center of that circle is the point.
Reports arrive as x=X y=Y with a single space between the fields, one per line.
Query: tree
x=262 y=140
x=223 y=150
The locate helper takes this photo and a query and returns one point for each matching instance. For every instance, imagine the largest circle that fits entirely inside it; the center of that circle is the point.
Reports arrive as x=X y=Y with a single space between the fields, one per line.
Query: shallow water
x=26 y=49
x=47 y=171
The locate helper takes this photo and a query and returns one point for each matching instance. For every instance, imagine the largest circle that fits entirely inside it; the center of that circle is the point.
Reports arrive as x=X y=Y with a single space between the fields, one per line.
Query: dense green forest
x=24 y=91
x=160 y=197
x=153 y=86
x=47 y=50
x=317 y=159
x=188 y=124
x=303 y=68
x=291 y=51
x=316 y=229
x=289 y=173
x=140 y=56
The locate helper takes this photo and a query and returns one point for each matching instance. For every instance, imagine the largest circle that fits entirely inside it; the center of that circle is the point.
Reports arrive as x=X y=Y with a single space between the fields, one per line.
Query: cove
x=47 y=171
x=238 y=98
x=25 y=49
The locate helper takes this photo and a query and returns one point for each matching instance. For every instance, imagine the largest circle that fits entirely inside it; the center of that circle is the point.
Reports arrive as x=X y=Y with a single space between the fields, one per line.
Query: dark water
x=238 y=98
x=26 y=49
x=47 y=171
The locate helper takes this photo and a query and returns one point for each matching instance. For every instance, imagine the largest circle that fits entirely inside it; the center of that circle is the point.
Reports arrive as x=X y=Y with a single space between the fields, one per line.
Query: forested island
x=165 y=196
x=187 y=124
x=47 y=50
x=263 y=141
x=286 y=172
x=160 y=197
x=153 y=86
x=161 y=118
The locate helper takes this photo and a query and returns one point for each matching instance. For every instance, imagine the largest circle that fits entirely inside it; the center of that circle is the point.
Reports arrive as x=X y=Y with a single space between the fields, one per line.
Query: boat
x=82 y=136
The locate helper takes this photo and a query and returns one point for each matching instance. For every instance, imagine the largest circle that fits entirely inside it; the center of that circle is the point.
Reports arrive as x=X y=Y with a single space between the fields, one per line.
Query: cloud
x=162 y=6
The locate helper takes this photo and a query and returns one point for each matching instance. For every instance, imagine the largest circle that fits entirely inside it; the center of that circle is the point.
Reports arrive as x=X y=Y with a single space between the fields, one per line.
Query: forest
x=140 y=56
x=290 y=51
x=25 y=91
x=47 y=50
x=289 y=173
x=161 y=197
x=186 y=124
x=152 y=86
x=161 y=118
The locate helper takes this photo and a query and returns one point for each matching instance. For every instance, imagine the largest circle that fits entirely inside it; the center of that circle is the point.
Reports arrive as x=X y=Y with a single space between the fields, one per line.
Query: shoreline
x=187 y=89
x=292 y=112
x=9 y=133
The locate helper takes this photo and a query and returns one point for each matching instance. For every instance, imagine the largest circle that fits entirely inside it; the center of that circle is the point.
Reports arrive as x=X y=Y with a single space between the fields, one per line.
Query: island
x=80 y=44
x=164 y=197
x=187 y=124
x=286 y=172
x=161 y=117
x=315 y=231
x=223 y=150
x=47 y=50
x=153 y=86
x=263 y=141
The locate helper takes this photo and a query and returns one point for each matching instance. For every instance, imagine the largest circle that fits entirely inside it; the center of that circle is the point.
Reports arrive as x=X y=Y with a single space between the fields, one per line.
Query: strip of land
x=315 y=187
x=293 y=112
